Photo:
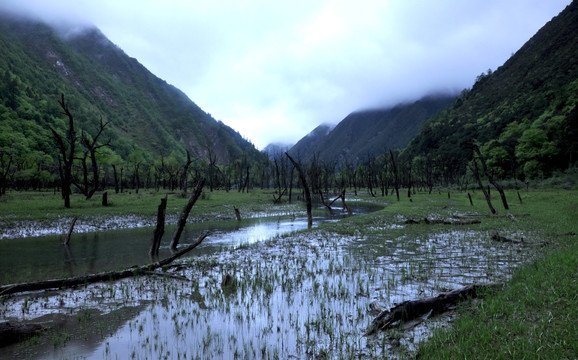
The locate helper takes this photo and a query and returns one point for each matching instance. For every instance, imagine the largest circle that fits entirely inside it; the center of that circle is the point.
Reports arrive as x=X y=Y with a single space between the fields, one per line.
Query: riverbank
x=536 y=315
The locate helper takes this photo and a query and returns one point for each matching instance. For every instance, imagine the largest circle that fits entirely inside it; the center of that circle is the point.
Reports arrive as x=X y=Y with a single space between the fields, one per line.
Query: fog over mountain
x=274 y=71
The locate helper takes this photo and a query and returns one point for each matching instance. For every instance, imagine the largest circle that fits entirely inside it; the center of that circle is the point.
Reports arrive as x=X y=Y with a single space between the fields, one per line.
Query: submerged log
x=11 y=333
x=94 y=278
x=411 y=310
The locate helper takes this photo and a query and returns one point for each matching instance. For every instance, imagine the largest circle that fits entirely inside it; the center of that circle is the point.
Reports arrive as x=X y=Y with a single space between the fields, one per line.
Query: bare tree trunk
x=67 y=239
x=477 y=176
x=185 y=214
x=66 y=157
x=305 y=189
x=328 y=206
x=116 y=186
x=160 y=228
x=186 y=173
x=395 y=173
x=490 y=176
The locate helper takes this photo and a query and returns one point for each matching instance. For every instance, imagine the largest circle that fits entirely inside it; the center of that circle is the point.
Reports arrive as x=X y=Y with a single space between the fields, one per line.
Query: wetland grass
x=308 y=294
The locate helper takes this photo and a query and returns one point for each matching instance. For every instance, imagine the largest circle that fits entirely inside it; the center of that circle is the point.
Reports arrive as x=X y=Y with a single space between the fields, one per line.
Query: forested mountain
x=304 y=147
x=369 y=133
x=523 y=115
x=148 y=119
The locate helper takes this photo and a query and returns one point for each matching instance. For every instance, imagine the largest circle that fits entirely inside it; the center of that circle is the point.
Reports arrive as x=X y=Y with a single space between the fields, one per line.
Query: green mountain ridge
x=368 y=133
x=148 y=117
x=523 y=115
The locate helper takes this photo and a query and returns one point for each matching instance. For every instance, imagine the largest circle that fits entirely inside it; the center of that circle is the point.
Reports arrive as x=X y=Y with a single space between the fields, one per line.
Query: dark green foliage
x=523 y=114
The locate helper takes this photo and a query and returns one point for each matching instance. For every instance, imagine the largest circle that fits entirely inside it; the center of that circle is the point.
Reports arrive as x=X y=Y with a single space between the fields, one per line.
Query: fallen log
x=94 y=278
x=442 y=221
x=497 y=237
x=408 y=311
x=12 y=333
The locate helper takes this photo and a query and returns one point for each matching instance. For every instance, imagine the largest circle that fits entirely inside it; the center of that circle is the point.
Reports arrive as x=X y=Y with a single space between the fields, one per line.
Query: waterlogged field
x=310 y=294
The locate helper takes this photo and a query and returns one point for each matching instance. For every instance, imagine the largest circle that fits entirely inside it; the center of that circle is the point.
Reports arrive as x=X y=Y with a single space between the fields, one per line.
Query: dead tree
x=490 y=176
x=160 y=228
x=67 y=239
x=476 y=173
x=328 y=206
x=342 y=197
x=66 y=146
x=305 y=189
x=186 y=173
x=395 y=174
x=116 y=183
x=89 y=187
x=185 y=214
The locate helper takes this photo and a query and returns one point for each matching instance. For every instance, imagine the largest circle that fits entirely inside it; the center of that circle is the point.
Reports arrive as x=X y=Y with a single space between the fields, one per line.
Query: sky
x=275 y=70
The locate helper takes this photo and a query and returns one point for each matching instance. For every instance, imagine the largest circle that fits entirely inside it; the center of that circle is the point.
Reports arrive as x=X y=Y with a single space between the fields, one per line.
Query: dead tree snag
x=305 y=189
x=185 y=214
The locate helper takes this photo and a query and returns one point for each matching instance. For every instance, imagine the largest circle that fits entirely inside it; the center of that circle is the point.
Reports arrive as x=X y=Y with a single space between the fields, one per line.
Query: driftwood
x=442 y=221
x=12 y=333
x=508 y=215
x=409 y=311
x=94 y=278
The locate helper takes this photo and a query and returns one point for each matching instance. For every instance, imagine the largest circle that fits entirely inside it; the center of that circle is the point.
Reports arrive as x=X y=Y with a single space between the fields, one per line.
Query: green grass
x=47 y=206
x=536 y=315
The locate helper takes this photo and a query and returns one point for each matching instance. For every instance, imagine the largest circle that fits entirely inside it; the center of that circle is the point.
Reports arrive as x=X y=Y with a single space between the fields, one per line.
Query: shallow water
x=293 y=296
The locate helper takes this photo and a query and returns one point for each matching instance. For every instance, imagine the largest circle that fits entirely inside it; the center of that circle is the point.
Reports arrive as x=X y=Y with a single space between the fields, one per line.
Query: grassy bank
x=536 y=315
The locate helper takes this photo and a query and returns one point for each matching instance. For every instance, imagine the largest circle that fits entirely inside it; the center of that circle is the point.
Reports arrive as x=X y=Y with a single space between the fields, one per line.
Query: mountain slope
x=305 y=146
x=523 y=115
x=371 y=132
x=146 y=115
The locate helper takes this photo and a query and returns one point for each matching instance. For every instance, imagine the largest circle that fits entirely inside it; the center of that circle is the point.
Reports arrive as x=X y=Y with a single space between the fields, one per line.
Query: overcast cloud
x=275 y=70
